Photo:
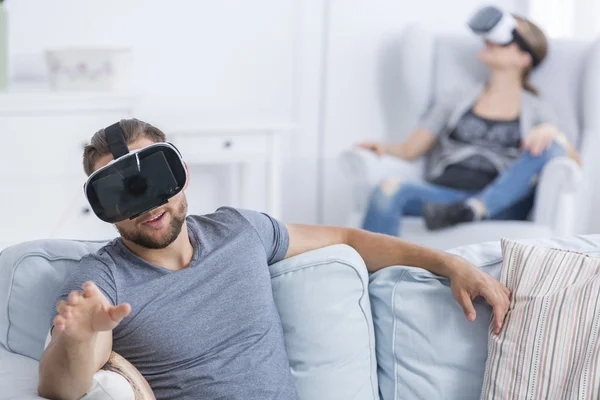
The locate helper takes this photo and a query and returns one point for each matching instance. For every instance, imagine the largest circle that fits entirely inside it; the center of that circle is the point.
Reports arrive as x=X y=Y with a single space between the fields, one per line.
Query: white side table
x=238 y=145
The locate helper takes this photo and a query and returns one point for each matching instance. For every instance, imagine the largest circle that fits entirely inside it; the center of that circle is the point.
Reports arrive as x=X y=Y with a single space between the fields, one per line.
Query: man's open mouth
x=156 y=219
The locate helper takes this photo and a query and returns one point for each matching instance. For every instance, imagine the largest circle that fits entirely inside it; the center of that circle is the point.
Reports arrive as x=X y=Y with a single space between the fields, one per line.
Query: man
x=187 y=299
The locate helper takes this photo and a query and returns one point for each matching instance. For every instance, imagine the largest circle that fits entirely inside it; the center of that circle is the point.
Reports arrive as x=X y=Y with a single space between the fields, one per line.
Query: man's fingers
x=507 y=292
x=60 y=306
x=499 y=314
x=63 y=308
x=467 y=305
x=67 y=311
x=90 y=289
x=74 y=297
x=500 y=304
x=59 y=323
x=117 y=313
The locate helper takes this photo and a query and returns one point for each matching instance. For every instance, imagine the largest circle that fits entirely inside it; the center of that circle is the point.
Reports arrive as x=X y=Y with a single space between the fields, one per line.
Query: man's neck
x=175 y=256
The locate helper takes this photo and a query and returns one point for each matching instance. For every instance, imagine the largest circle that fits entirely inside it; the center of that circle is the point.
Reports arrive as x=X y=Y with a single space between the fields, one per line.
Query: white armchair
x=426 y=65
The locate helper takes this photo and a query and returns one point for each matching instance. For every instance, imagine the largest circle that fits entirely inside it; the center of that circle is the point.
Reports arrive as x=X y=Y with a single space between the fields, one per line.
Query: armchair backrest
x=428 y=65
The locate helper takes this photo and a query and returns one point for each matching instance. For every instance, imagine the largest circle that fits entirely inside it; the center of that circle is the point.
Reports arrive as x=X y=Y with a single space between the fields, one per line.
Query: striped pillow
x=549 y=347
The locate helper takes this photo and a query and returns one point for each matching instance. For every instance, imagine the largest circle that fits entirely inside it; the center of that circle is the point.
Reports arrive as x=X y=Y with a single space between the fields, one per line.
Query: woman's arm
x=541 y=137
x=419 y=143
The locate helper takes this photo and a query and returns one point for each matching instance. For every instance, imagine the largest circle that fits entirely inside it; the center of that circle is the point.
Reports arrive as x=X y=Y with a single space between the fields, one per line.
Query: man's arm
x=68 y=365
x=379 y=251
x=81 y=343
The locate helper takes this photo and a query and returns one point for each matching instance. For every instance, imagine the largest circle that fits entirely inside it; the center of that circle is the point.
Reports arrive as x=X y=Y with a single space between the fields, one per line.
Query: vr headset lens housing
x=136 y=183
x=500 y=28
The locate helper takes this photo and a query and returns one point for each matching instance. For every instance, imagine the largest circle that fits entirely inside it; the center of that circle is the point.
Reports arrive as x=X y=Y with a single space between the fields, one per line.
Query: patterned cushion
x=549 y=346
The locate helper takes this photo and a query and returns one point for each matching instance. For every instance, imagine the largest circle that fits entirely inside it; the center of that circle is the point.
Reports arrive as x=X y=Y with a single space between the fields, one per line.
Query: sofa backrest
x=30 y=277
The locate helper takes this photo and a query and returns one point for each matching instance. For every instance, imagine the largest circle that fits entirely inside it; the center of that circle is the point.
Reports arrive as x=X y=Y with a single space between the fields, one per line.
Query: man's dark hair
x=132 y=129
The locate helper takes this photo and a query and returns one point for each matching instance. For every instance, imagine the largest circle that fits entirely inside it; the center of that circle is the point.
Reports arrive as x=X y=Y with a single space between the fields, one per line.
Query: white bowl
x=88 y=69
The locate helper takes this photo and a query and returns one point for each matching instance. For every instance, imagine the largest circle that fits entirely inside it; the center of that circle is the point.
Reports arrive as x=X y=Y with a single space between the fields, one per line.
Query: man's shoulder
x=223 y=216
x=97 y=267
x=102 y=259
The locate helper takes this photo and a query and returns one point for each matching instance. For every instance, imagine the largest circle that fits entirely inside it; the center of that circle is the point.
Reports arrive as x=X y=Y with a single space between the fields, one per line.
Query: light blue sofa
x=397 y=334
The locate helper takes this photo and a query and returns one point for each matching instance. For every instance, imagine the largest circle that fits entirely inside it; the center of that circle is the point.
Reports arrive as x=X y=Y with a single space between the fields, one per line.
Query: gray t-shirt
x=211 y=330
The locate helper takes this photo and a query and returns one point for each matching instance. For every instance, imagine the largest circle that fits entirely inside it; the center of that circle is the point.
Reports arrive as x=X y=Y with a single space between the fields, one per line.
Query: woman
x=487 y=145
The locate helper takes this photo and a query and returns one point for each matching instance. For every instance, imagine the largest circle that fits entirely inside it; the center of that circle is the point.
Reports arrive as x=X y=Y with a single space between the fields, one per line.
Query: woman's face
x=504 y=57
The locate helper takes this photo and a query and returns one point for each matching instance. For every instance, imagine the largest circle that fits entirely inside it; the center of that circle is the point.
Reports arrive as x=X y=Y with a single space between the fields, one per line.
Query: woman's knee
x=555 y=150
x=389 y=193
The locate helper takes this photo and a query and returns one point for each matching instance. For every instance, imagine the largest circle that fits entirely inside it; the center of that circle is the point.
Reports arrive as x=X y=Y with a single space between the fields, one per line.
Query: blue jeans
x=509 y=197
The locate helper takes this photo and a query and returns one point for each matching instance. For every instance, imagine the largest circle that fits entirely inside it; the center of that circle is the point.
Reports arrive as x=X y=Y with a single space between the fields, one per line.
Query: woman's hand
x=468 y=282
x=376 y=147
x=540 y=138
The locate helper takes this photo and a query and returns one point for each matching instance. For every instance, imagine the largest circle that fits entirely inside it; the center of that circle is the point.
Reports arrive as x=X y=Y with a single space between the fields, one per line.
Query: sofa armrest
x=366 y=169
x=556 y=203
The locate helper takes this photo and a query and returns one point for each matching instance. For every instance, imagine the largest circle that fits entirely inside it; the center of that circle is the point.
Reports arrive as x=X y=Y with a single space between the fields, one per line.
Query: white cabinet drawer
x=45 y=146
x=221 y=148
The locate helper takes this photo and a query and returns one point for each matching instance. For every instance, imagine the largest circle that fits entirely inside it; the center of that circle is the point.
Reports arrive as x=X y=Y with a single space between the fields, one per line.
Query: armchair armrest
x=557 y=195
x=365 y=169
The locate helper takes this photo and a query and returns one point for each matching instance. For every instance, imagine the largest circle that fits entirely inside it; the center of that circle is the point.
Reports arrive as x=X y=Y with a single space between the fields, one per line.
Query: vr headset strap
x=522 y=43
x=116 y=140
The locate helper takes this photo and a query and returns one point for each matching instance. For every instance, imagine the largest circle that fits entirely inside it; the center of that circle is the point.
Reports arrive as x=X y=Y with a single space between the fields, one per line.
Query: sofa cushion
x=18 y=376
x=553 y=317
x=30 y=277
x=426 y=349
x=323 y=301
x=19 y=380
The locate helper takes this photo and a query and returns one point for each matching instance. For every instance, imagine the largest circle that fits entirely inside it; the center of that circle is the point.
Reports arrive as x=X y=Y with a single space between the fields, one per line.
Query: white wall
x=229 y=57
x=358 y=32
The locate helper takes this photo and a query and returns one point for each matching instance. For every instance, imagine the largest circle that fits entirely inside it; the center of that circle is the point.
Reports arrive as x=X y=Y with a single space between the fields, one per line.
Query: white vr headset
x=500 y=28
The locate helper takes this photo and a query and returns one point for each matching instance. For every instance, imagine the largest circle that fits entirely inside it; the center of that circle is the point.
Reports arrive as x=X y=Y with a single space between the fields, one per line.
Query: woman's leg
x=512 y=186
x=518 y=211
x=393 y=199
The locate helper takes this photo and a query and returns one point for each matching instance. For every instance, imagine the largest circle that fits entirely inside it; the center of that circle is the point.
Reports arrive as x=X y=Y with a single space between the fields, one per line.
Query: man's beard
x=144 y=240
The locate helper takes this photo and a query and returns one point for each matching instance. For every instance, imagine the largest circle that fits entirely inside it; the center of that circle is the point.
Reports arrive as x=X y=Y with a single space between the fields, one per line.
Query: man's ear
x=187 y=170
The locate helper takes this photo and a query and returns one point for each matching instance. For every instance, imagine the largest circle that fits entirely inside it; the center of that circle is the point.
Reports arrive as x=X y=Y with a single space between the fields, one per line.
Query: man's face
x=158 y=228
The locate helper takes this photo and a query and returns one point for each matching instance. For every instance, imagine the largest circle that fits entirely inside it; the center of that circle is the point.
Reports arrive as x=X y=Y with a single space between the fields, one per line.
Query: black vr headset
x=500 y=27
x=134 y=182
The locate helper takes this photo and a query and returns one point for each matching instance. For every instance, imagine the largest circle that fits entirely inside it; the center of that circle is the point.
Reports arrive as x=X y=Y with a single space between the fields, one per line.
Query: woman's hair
x=538 y=42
